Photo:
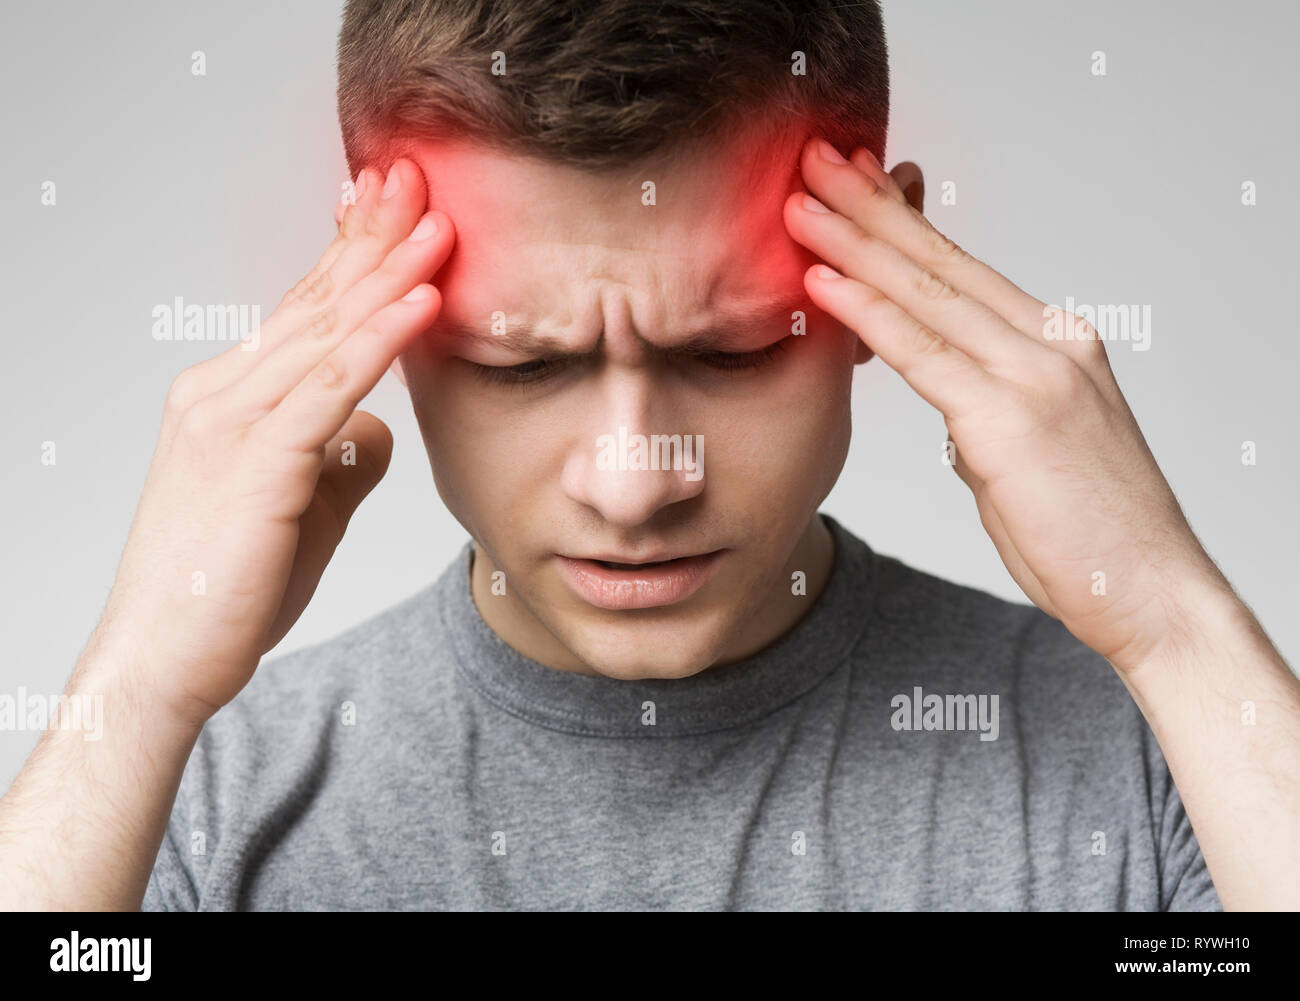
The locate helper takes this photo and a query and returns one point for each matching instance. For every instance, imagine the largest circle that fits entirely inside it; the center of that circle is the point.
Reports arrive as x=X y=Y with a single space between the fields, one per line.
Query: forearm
x=1225 y=709
x=81 y=826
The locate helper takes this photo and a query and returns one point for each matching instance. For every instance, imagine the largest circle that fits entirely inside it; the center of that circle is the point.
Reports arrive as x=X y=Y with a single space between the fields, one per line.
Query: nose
x=633 y=459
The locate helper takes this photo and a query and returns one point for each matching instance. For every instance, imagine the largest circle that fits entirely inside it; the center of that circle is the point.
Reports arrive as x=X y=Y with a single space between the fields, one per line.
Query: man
x=628 y=258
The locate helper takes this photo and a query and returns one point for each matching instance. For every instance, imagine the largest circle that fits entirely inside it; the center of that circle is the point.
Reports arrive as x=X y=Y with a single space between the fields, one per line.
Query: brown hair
x=601 y=83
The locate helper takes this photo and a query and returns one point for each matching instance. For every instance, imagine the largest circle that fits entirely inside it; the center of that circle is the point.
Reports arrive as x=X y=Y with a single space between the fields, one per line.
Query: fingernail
x=813 y=205
x=418 y=294
x=393 y=183
x=829 y=153
x=426 y=228
x=826 y=273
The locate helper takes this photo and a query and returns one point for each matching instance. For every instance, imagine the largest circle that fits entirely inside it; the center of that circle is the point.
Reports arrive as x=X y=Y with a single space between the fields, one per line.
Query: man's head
x=623 y=294
x=604 y=83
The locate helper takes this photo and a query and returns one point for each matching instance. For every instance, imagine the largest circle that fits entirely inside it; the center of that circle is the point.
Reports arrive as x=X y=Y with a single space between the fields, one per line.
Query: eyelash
x=527 y=374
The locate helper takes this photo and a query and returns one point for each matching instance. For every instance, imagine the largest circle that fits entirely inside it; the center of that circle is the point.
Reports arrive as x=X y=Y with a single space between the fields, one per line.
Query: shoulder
x=1061 y=707
x=1081 y=760
x=296 y=728
x=959 y=630
x=300 y=709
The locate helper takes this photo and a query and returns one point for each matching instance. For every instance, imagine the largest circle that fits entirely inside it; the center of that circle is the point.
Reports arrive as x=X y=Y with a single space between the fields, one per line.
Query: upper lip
x=646 y=558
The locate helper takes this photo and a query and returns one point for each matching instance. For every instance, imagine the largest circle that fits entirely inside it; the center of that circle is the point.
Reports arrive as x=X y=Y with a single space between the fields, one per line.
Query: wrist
x=119 y=671
x=1210 y=634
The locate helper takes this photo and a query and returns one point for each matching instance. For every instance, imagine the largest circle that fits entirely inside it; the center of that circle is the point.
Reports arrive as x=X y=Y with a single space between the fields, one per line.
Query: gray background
x=1122 y=189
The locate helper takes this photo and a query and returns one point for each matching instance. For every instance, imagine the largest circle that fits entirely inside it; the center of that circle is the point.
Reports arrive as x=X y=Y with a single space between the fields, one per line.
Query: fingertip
x=793 y=210
x=412 y=177
x=809 y=153
x=422 y=294
x=863 y=157
x=865 y=161
x=367 y=181
x=425 y=304
x=374 y=440
x=816 y=286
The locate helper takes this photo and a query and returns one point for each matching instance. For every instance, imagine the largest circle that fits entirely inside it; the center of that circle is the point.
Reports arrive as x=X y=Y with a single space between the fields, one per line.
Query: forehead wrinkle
x=719 y=333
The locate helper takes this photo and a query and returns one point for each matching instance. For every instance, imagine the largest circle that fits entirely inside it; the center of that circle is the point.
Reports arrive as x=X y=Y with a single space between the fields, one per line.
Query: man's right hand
x=248 y=487
x=263 y=458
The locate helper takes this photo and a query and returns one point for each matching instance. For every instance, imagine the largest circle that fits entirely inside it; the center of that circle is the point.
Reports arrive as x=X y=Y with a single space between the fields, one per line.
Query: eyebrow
x=718 y=335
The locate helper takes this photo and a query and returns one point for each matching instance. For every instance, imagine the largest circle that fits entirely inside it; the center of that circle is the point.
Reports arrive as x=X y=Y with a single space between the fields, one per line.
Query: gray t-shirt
x=419 y=762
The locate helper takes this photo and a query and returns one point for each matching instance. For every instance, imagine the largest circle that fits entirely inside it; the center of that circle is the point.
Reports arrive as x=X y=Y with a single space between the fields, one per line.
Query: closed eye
x=541 y=369
x=528 y=372
x=736 y=361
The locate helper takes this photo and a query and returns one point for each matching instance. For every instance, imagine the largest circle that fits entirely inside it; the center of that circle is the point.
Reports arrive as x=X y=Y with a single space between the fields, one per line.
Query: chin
x=659 y=651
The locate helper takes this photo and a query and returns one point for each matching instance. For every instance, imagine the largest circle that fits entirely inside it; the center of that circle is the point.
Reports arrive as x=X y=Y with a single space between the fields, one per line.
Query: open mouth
x=636 y=566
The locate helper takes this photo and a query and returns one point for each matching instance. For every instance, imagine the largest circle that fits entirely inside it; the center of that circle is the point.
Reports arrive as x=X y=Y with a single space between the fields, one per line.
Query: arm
x=246 y=499
x=82 y=823
x=1225 y=709
x=1078 y=509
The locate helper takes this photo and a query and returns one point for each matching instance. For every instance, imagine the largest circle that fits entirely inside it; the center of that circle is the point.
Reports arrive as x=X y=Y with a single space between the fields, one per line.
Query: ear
x=909 y=178
x=339 y=208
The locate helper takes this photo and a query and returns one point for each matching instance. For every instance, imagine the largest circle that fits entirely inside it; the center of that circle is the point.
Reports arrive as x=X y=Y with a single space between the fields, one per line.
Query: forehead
x=660 y=246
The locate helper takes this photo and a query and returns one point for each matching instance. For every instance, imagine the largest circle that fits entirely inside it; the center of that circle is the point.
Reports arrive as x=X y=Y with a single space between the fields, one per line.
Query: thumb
x=356 y=459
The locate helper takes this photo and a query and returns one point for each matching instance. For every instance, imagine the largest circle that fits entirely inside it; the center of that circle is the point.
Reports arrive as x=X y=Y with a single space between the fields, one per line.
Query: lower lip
x=643 y=587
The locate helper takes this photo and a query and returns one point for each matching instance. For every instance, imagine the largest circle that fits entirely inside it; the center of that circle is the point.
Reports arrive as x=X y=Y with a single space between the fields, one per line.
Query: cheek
x=460 y=448
x=830 y=395
x=789 y=437
x=493 y=457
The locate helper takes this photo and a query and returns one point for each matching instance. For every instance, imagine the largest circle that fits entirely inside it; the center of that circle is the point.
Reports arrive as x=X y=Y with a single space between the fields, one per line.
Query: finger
x=1044 y=324
x=965 y=322
x=351 y=219
x=1075 y=337
x=859 y=196
x=942 y=374
x=384 y=213
x=356 y=459
x=315 y=409
x=198 y=382
x=358 y=191
x=863 y=159
x=344 y=202
x=409 y=264
x=383 y=216
x=380 y=220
